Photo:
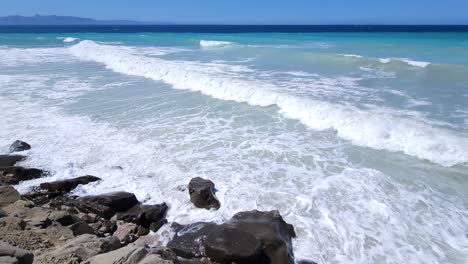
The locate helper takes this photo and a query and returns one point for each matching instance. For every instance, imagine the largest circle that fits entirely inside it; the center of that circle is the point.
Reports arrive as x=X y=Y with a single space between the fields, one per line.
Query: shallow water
x=360 y=140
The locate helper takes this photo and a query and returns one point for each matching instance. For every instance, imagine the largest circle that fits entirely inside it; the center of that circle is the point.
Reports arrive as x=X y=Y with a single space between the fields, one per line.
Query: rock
x=202 y=193
x=10 y=160
x=64 y=218
x=19 y=145
x=2 y=213
x=79 y=249
x=81 y=228
x=228 y=244
x=237 y=239
x=68 y=185
x=14 y=175
x=8 y=195
x=111 y=243
x=303 y=261
x=22 y=256
x=144 y=214
x=9 y=260
x=12 y=223
x=129 y=255
x=155 y=226
x=106 y=205
x=126 y=232
x=35 y=217
x=106 y=227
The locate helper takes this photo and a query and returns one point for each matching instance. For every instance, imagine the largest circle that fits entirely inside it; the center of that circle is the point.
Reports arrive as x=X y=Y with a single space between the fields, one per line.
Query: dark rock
x=22 y=256
x=110 y=244
x=106 y=205
x=202 y=193
x=10 y=160
x=68 y=185
x=155 y=226
x=303 y=261
x=19 y=145
x=106 y=227
x=8 y=195
x=64 y=218
x=228 y=244
x=81 y=228
x=144 y=214
x=14 y=175
x=91 y=207
x=225 y=243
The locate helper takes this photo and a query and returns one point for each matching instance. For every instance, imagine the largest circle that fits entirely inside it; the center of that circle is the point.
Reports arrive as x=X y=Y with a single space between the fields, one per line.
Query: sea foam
x=361 y=127
x=214 y=43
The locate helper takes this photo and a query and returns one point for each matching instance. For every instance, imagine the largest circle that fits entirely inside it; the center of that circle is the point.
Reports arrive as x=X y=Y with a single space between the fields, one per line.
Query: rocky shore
x=50 y=226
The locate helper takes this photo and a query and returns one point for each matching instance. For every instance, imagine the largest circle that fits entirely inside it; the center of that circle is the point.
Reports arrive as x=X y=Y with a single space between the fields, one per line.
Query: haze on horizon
x=250 y=12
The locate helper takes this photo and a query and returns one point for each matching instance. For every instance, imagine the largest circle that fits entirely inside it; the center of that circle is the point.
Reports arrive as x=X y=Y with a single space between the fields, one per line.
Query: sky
x=251 y=11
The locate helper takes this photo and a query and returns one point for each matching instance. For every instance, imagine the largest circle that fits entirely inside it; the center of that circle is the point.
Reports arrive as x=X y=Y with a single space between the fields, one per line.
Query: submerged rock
x=19 y=145
x=248 y=237
x=202 y=193
x=8 y=195
x=68 y=185
x=10 y=160
x=14 y=175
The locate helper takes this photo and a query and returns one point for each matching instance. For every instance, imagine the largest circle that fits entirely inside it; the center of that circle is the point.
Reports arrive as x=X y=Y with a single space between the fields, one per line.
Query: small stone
x=19 y=145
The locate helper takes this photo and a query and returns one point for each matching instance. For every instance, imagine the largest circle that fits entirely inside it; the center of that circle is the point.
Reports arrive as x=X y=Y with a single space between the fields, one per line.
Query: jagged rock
x=225 y=243
x=8 y=195
x=105 y=226
x=81 y=228
x=65 y=186
x=64 y=218
x=126 y=232
x=202 y=193
x=129 y=255
x=22 y=256
x=14 y=175
x=10 y=160
x=19 y=145
x=106 y=205
x=144 y=214
x=79 y=249
x=155 y=226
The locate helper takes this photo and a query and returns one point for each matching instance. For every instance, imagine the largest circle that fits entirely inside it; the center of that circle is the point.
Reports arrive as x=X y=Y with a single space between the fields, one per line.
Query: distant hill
x=67 y=20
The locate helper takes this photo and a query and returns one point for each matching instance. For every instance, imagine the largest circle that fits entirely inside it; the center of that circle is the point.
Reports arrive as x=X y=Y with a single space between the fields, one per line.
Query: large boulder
x=79 y=249
x=19 y=145
x=22 y=256
x=10 y=160
x=14 y=175
x=248 y=237
x=106 y=205
x=65 y=186
x=144 y=215
x=129 y=255
x=8 y=195
x=202 y=193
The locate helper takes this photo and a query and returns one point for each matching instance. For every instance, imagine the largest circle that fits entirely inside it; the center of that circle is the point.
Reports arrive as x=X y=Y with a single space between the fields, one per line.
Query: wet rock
x=10 y=160
x=8 y=195
x=144 y=214
x=228 y=244
x=14 y=175
x=202 y=193
x=225 y=243
x=78 y=250
x=22 y=256
x=155 y=226
x=19 y=145
x=81 y=228
x=65 y=186
x=303 y=261
x=106 y=205
x=129 y=255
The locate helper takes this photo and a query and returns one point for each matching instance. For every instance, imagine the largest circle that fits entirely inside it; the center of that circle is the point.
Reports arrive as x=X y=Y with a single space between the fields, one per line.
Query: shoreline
x=48 y=225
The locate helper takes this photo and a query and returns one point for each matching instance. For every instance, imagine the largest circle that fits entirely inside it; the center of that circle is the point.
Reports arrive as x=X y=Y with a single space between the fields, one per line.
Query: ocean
x=359 y=139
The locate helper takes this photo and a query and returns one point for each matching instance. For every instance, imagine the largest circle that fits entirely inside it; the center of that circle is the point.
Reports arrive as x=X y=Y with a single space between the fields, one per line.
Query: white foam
x=351 y=55
x=420 y=64
x=364 y=128
x=69 y=39
x=214 y=43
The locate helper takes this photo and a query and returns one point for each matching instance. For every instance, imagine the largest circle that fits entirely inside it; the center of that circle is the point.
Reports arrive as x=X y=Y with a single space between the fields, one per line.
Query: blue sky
x=252 y=11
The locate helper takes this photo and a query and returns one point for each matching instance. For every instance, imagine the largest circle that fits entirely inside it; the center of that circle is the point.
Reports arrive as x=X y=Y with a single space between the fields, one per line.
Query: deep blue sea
x=359 y=138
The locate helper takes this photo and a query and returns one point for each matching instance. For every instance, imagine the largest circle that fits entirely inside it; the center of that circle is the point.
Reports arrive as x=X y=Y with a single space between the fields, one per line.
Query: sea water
x=360 y=140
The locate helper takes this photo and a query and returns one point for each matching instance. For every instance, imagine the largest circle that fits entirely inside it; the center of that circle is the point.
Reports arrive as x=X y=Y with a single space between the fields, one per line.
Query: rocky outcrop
x=14 y=254
x=202 y=193
x=10 y=160
x=249 y=237
x=144 y=215
x=14 y=175
x=8 y=195
x=130 y=255
x=19 y=145
x=65 y=186
x=107 y=205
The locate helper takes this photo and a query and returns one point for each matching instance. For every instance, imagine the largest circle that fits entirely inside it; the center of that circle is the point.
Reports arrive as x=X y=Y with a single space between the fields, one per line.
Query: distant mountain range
x=67 y=20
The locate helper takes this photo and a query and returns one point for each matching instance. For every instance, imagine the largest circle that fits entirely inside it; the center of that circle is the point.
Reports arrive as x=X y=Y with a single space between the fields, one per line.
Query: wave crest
x=214 y=43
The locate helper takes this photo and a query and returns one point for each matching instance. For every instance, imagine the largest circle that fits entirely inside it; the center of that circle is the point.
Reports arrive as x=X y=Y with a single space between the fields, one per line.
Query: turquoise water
x=359 y=139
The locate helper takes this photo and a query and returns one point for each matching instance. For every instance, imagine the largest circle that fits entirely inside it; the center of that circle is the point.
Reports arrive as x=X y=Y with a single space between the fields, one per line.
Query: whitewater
x=360 y=141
